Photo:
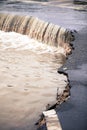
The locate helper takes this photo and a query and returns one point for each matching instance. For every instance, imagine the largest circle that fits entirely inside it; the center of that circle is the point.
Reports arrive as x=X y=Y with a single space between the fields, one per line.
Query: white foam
x=13 y=40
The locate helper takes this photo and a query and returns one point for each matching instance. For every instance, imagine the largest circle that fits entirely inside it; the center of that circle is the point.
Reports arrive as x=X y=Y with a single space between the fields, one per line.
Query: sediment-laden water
x=28 y=68
x=29 y=78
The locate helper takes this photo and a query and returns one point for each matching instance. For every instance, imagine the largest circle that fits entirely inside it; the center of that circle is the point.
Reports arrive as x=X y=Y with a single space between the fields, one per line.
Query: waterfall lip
x=58 y=36
x=45 y=32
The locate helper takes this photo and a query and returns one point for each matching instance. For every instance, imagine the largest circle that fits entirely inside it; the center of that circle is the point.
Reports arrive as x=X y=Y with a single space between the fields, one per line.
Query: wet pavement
x=73 y=113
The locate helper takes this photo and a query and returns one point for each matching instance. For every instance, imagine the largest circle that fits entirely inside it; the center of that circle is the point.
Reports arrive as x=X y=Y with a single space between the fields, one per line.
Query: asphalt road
x=73 y=113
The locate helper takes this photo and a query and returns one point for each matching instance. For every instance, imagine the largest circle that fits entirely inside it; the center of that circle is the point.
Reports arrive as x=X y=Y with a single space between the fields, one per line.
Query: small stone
x=9 y=86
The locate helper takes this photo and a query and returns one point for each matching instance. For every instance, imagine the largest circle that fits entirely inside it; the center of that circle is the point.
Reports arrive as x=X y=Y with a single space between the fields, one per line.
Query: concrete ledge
x=52 y=121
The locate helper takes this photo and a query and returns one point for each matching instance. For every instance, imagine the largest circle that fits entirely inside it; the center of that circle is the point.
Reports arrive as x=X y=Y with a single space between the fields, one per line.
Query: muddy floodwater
x=28 y=68
x=28 y=80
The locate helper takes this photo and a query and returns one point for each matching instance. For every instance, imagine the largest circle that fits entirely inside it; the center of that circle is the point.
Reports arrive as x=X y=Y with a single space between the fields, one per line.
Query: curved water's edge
x=74 y=111
x=62 y=39
x=60 y=99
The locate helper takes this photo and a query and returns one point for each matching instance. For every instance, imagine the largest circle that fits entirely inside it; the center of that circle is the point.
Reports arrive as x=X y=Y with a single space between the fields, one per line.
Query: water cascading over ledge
x=33 y=75
x=37 y=29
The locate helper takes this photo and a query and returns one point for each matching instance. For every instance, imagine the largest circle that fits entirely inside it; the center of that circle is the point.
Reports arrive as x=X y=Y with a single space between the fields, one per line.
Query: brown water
x=35 y=28
x=28 y=79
